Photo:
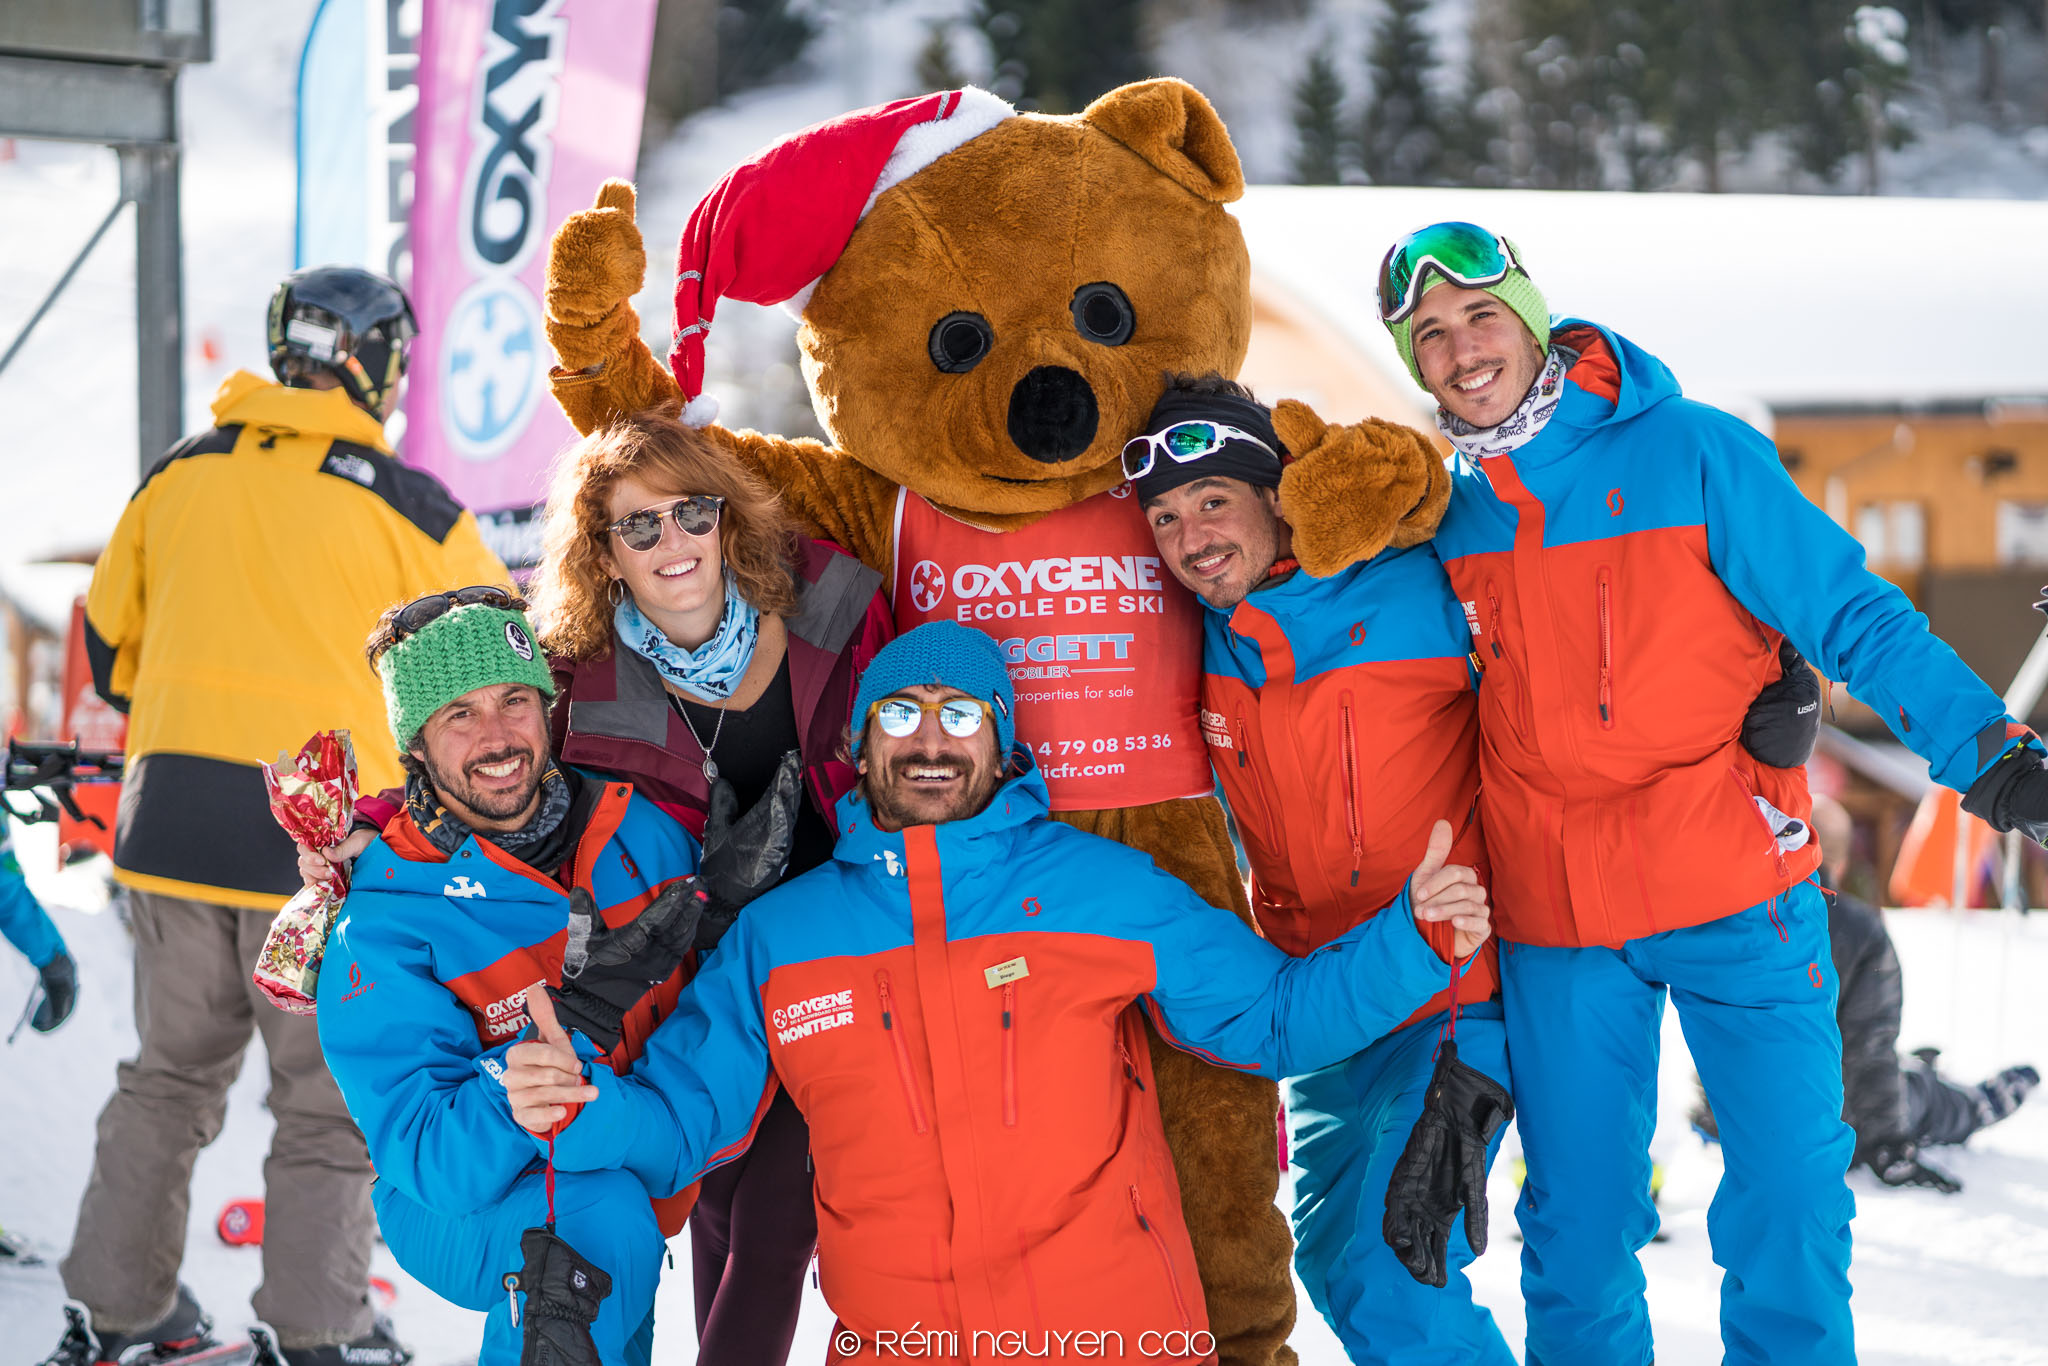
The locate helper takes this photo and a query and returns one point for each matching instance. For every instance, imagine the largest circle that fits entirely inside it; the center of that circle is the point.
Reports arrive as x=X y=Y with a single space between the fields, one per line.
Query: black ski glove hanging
x=1443 y=1168
x=563 y=1292
x=606 y=971
x=744 y=858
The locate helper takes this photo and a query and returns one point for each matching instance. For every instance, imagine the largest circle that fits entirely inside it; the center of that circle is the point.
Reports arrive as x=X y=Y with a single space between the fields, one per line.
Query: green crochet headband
x=458 y=652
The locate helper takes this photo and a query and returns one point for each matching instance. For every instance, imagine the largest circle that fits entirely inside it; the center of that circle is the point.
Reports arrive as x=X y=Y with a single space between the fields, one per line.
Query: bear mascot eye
x=959 y=341
x=1102 y=314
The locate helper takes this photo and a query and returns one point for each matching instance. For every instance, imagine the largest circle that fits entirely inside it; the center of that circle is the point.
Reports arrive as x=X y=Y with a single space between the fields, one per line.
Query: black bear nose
x=1052 y=414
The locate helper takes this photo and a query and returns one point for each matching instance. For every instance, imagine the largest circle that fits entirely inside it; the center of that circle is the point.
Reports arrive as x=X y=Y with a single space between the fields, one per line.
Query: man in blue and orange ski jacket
x=946 y=1001
x=1630 y=561
x=453 y=914
x=1340 y=719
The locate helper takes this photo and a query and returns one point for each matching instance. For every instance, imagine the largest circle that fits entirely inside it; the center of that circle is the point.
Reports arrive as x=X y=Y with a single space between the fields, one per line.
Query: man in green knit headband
x=466 y=689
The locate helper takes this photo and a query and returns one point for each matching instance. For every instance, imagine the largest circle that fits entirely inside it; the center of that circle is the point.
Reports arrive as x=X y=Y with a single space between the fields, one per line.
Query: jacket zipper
x=1256 y=794
x=1180 y=1303
x=1010 y=1054
x=904 y=1073
x=1606 y=651
x=1521 y=717
x=1130 y=1067
x=1347 y=745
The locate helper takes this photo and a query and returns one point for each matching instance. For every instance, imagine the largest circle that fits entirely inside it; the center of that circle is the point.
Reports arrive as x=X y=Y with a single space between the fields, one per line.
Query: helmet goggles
x=1464 y=254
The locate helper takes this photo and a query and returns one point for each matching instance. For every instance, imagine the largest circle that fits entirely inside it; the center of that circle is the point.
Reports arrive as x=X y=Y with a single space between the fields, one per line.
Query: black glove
x=1444 y=1167
x=1782 y=724
x=2013 y=794
x=562 y=1294
x=606 y=971
x=1898 y=1164
x=744 y=858
x=60 y=993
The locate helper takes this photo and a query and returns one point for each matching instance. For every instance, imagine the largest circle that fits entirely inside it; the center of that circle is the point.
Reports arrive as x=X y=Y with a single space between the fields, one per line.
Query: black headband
x=1233 y=460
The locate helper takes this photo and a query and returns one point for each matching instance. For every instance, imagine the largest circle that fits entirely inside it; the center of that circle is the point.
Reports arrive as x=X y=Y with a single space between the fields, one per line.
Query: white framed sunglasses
x=1183 y=442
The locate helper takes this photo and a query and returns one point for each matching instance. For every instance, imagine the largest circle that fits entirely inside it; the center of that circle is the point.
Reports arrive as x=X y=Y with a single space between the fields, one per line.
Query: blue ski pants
x=1347 y=1126
x=1755 y=994
x=463 y=1258
x=23 y=921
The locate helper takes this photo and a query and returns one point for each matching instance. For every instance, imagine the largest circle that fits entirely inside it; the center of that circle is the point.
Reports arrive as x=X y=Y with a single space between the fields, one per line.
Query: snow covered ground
x=1938 y=1279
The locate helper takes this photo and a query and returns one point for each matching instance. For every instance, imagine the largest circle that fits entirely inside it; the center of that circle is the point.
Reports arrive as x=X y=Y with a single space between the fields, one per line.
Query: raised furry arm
x=832 y=496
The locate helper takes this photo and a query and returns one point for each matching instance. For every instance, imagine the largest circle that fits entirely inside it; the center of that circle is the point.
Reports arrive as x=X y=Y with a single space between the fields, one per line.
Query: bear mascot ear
x=1172 y=125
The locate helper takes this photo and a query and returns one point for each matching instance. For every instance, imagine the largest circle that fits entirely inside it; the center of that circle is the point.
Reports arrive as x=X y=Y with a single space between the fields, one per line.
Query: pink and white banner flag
x=525 y=107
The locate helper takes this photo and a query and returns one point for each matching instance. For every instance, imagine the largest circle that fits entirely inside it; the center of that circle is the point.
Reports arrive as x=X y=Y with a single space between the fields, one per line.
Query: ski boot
x=378 y=1347
x=183 y=1337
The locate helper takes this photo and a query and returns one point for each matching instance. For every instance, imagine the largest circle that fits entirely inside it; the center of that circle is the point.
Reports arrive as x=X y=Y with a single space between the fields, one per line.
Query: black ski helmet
x=351 y=323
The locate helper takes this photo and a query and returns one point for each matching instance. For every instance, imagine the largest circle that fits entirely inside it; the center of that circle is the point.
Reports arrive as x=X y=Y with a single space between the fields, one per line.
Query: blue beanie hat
x=946 y=653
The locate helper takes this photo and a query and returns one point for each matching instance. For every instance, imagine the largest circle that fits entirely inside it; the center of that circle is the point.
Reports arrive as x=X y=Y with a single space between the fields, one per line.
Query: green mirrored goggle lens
x=1186 y=439
x=1463 y=253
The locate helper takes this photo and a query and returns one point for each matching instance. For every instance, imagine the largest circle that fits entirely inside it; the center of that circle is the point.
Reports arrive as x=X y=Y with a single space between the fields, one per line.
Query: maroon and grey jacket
x=611 y=713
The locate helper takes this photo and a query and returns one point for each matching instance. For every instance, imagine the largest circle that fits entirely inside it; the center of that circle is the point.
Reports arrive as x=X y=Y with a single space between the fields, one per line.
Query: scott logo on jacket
x=801 y=1019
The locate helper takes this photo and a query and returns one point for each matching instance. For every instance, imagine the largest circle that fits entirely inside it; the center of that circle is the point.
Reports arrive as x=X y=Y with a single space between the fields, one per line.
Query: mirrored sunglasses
x=959 y=717
x=1183 y=442
x=696 y=515
x=415 y=615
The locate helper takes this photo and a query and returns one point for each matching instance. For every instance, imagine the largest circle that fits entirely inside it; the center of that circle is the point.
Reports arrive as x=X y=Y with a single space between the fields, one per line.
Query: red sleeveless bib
x=1104 y=645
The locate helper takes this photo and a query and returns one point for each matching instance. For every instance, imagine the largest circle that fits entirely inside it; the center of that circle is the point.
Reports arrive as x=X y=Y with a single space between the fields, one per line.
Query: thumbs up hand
x=544 y=1077
x=1440 y=890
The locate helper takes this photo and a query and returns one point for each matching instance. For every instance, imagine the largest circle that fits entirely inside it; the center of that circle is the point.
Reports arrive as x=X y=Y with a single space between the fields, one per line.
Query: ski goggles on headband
x=696 y=515
x=1183 y=442
x=959 y=717
x=1463 y=253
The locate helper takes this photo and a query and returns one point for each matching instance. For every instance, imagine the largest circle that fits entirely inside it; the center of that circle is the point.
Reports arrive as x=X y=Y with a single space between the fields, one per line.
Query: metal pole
x=149 y=175
x=21 y=338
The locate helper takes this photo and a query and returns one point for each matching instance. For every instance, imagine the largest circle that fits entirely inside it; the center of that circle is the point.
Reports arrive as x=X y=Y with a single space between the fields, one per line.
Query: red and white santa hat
x=774 y=225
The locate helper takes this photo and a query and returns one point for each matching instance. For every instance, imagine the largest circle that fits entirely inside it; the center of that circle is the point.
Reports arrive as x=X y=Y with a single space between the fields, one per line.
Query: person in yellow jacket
x=226 y=617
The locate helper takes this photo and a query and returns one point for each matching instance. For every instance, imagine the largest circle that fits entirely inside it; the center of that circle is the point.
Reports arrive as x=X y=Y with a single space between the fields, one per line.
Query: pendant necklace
x=710 y=765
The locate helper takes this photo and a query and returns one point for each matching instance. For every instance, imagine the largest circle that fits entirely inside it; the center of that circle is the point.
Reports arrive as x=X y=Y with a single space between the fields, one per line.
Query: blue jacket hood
x=1645 y=382
x=981 y=838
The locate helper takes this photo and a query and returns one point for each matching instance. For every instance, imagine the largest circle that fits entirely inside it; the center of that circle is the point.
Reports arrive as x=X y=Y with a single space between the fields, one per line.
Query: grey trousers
x=194 y=1010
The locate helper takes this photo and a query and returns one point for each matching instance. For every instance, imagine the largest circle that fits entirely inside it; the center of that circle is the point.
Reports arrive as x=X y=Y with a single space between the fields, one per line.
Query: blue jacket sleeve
x=693 y=1098
x=1790 y=565
x=1230 y=997
x=404 y=1051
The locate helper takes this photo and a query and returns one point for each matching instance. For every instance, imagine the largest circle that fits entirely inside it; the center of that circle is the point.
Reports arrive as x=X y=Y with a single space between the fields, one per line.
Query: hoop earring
x=616 y=593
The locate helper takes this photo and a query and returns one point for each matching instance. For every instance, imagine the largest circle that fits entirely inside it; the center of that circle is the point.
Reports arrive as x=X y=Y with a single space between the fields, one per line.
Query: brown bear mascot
x=990 y=303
